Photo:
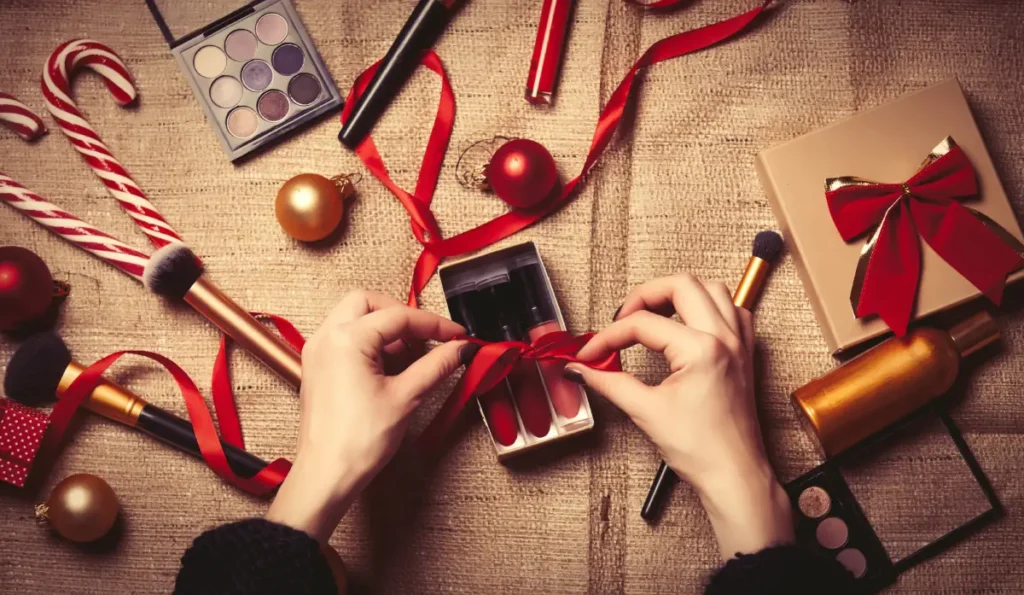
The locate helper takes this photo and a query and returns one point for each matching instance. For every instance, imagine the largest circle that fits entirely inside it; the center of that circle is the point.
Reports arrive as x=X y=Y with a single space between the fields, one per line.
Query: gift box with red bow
x=893 y=215
x=21 y=432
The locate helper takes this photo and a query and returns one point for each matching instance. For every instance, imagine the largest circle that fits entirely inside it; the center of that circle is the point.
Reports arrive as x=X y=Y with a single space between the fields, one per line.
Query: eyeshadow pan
x=287 y=59
x=304 y=89
x=226 y=92
x=240 y=45
x=242 y=122
x=272 y=28
x=854 y=561
x=209 y=61
x=814 y=502
x=832 y=533
x=273 y=105
x=256 y=75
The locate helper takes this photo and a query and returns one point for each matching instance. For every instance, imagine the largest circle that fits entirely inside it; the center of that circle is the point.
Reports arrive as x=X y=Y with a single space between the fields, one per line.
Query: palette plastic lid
x=174 y=42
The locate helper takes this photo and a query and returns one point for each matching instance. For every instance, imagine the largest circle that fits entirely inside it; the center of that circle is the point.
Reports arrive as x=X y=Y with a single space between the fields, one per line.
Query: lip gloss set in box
x=507 y=296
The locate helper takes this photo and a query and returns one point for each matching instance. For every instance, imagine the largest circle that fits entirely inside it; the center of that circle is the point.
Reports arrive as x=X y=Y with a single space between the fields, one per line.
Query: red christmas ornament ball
x=522 y=173
x=26 y=287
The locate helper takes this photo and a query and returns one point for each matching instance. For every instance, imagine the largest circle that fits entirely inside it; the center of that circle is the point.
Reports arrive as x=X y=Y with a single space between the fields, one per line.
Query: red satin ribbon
x=425 y=227
x=927 y=206
x=220 y=383
x=493 y=363
x=261 y=484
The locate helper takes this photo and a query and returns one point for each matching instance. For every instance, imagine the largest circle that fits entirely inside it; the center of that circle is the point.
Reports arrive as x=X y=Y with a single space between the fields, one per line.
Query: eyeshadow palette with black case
x=830 y=520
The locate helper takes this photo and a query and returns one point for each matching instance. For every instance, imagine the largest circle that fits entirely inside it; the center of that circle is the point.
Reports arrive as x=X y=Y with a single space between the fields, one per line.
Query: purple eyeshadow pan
x=273 y=105
x=304 y=89
x=287 y=59
x=256 y=75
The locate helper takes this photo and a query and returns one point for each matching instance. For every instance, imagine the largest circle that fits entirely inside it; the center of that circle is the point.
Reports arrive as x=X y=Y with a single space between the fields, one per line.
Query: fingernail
x=616 y=315
x=467 y=352
x=573 y=375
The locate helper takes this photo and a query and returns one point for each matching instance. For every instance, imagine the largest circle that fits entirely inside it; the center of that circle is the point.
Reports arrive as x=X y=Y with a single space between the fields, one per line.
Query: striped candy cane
x=72 y=229
x=57 y=89
x=19 y=118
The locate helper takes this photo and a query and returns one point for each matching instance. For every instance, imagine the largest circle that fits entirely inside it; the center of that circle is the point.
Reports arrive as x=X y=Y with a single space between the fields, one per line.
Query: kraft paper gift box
x=886 y=145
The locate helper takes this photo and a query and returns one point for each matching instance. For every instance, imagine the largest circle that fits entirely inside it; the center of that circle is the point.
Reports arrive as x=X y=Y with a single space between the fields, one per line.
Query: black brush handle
x=663 y=482
x=171 y=429
x=419 y=33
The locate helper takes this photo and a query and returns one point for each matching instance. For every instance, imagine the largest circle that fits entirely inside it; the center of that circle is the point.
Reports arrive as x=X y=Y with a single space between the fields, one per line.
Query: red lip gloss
x=547 y=51
x=541 y=319
x=528 y=391
x=496 y=403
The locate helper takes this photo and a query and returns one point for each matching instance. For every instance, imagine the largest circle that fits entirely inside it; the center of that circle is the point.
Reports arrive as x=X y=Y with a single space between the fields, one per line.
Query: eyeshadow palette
x=256 y=73
x=830 y=520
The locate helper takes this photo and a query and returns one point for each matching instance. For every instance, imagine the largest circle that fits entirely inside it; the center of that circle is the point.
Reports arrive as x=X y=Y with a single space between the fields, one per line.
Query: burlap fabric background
x=677 y=193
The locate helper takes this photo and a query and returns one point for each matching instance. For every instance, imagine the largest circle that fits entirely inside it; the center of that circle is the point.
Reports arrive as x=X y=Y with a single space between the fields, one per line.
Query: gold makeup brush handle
x=107 y=399
x=752 y=283
x=252 y=336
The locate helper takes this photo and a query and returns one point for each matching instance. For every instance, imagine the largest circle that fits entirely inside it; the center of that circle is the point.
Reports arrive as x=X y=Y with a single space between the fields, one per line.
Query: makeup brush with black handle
x=175 y=273
x=42 y=369
x=767 y=249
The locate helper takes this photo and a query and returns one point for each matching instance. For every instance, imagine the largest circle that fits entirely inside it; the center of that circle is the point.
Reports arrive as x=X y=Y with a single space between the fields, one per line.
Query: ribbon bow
x=493 y=363
x=925 y=206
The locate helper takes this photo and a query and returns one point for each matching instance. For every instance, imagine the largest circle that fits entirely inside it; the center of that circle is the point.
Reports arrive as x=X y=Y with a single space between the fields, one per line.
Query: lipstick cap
x=537 y=308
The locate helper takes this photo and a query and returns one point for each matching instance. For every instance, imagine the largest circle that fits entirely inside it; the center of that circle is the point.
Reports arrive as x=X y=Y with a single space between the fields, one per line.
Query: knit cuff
x=254 y=556
x=789 y=569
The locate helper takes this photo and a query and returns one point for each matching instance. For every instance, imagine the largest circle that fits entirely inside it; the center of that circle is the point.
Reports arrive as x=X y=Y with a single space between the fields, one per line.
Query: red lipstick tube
x=547 y=51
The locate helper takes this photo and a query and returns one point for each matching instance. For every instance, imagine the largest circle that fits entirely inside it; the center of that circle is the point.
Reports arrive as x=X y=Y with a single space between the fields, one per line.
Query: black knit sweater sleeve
x=255 y=557
x=786 y=569
x=263 y=558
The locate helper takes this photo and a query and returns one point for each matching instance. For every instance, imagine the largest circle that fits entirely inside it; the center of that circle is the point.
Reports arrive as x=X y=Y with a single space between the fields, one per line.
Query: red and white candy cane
x=19 y=118
x=72 y=229
x=57 y=89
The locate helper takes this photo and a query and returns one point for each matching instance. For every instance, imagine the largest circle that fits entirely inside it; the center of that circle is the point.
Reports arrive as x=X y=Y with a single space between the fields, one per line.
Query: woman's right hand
x=703 y=416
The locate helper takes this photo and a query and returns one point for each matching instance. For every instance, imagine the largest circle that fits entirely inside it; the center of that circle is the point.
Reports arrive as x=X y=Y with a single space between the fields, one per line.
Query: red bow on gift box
x=21 y=431
x=493 y=363
x=925 y=206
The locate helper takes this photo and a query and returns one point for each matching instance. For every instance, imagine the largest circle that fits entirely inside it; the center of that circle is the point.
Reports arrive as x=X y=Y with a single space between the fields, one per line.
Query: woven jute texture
x=675 y=193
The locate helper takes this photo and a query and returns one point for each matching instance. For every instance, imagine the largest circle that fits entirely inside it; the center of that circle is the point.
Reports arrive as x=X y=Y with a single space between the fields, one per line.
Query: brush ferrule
x=750 y=286
x=248 y=332
x=107 y=399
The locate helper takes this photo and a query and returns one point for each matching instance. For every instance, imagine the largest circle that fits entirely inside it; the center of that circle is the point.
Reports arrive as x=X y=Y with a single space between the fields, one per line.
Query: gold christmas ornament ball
x=309 y=206
x=81 y=508
x=337 y=568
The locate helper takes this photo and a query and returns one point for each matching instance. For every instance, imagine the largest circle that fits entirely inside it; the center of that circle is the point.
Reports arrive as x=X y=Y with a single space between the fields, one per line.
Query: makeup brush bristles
x=35 y=370
x=172 y=270
x=768 y=246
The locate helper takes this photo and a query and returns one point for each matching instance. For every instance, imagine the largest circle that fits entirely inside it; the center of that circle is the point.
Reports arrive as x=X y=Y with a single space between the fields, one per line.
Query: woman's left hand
x=361 y=382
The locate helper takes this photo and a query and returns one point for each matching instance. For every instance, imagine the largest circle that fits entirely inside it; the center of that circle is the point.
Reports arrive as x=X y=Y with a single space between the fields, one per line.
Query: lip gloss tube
x=541 y=320
x=497 y=402
x=547 y=51
x=528 y=391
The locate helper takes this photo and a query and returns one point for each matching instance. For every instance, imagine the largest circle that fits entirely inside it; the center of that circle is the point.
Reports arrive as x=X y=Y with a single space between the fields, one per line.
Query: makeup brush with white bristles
x=175 y=273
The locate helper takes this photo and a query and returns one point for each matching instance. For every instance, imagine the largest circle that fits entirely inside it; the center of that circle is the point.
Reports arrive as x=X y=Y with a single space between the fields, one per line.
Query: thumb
x=438 y=364
x=622 y=389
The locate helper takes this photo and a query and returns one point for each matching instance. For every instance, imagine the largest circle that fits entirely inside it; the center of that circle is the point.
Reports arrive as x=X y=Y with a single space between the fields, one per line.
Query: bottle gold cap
x=974 y=333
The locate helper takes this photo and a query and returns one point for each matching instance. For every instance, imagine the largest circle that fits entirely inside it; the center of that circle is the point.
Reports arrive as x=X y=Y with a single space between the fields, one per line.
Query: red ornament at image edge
x=26 y=287
x=522 y=173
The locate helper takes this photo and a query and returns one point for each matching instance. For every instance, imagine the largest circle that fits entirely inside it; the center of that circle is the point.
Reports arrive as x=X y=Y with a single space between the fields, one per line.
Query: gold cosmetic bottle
x=889 y=382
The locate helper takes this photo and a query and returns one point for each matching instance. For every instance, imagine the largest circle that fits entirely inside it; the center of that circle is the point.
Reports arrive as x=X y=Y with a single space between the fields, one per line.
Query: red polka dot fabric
x=21 y=431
